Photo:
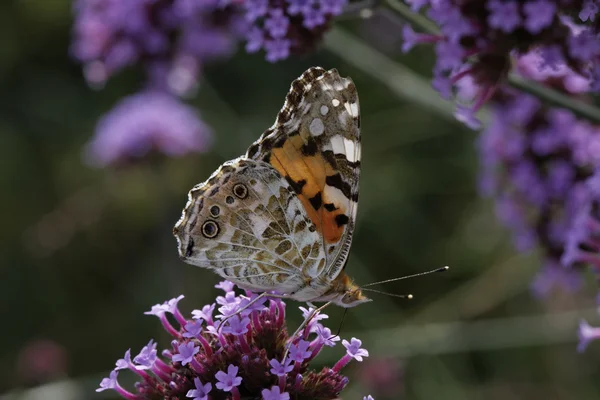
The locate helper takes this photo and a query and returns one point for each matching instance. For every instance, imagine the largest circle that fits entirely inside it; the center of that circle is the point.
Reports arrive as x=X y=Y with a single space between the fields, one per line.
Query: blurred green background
x=86 y=251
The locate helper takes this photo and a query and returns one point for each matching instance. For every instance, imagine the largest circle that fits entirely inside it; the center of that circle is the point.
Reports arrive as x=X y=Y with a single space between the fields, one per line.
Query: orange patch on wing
x=289 y=161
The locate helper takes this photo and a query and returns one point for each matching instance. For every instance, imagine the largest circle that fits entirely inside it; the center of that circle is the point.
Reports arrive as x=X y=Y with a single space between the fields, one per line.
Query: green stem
x=549 y=96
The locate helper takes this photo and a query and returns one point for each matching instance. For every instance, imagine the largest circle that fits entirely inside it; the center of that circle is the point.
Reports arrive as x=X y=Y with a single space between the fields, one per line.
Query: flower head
x=145 y=122
x=536 y=161
x=288 y=27
x=243 y=359
x=186 y=353
x=479 y=38
x=354 y=350
x=227 y=381
x=274 y=394
x=172 y=39
x=201 y=391
x=109 y=383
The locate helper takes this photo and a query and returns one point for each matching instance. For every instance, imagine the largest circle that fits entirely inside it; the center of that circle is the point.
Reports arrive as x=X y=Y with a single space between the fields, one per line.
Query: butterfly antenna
x=402 y=296
x=446 y=268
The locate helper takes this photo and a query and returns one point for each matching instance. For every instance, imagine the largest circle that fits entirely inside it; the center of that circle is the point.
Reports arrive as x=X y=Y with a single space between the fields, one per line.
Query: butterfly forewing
x=315 y=145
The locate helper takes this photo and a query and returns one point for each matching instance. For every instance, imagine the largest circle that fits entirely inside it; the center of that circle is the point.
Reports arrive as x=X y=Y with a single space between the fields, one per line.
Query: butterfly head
x=347 y=293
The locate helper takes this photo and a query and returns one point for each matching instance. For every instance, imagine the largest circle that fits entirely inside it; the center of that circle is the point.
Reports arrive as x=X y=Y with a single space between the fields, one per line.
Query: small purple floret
x=228 y=381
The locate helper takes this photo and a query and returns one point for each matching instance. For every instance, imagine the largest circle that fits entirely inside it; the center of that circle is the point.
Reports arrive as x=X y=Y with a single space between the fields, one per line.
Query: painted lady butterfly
x=281 y=217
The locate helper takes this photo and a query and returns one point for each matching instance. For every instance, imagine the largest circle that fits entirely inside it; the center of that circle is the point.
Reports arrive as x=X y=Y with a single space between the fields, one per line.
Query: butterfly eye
x=240 y=190
x=215 y=211
x=210 y=229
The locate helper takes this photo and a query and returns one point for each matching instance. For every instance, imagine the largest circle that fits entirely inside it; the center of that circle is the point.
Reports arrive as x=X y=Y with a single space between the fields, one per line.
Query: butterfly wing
x=247 y=224
x=315 y=145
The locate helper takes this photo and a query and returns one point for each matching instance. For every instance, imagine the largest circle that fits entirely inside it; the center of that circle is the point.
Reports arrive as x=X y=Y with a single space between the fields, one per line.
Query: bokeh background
x=85 y=251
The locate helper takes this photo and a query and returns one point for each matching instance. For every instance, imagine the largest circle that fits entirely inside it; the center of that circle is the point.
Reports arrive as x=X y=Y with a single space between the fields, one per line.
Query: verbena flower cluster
x=170 y=39
x=288 y=27
x=236 y=354
x=479 y=37
x=144 y=123
x=536 y=162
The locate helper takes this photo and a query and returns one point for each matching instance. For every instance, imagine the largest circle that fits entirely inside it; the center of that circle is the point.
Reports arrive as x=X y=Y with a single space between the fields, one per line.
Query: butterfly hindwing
x=315 y=145
x=247 y=224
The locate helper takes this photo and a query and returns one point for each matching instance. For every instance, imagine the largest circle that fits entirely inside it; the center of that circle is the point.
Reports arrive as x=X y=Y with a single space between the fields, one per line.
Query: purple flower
x=201 y=391
x=536 y=160
x=587 y=333
x=186 y=353
x=111 y=35
x=125 y=362
x=225 y=286
x=480 y=38
x=298 y=6
x=255 y=39
x=193 y=328
x=250 y=346
x=467 y=116
x=504 y=15
x=206 y=312
x=274 y=394
x=277 y=23
x=411 y=38
x=354 y=350
x=227 y=381
x=237 y=325
x=539 y=15
x=147 y=121
x=158 y=310
x=255 y=9
x=109 y=383
x=324 y=335
x=449 y=55
x=299 y=351
x=147 y=356
x=416 y=5
x=277 y=49
x=281 y=369
x=589 y=10
x=289 y=26
x=313 y=17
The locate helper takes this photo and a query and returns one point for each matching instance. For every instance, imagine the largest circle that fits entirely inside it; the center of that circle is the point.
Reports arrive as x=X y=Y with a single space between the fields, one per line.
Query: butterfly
x=281 y=217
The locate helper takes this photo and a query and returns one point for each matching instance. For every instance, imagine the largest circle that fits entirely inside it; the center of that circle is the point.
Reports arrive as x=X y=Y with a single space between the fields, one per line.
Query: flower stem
x=235 y=393
x=550 y=96
x=342 y=363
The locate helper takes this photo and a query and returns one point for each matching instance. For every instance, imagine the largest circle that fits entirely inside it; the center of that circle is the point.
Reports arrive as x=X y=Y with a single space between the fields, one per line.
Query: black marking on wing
x=316 y=201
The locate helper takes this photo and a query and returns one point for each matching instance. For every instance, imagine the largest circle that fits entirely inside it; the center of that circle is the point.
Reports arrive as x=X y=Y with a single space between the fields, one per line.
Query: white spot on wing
x=316 y=127
x=350 y=149
x=348 y=108
x=324 y=110
x=337 y=142
x=335 y=102
x=354 y=109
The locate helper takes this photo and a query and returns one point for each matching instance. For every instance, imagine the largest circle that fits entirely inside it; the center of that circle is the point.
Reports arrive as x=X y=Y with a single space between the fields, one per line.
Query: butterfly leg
x=254 y=300
x=303 y=325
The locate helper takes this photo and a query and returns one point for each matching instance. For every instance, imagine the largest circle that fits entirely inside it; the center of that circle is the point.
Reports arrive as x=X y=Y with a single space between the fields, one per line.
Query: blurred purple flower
x=201 y=391
x=282 y=28
x=535 y=163
x=587 y=334
x=479 y=37
x=171 y=39
x=213 y=363
x=274 y=394
x=147 y=121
